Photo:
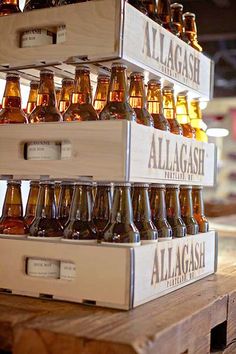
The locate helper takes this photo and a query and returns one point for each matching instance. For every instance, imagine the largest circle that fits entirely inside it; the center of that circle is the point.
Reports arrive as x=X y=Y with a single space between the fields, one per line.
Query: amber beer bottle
x=12 y=221
x=46 y=223
x=177 y=20
x=33 y=94
x=155 y=105
x=121 y=228
x=169 y=110
x=81 y=108
x=138 y=4
x=11 y=111
x=39 y=4
x=100 y=98
x=190 y=30
x=68 y=87
x=142 y=214
x=30 y=211
x=198 y=209
x=138 y=99
x=102 y=207
x=80 y=226
x=65 y=200
x=158 y=209
x=195 y=115
x=182 y=114
x=151 y=8
x=174 y=211
x=186 y=203
x=8 y=7
x=118 y=106
x=164 y=13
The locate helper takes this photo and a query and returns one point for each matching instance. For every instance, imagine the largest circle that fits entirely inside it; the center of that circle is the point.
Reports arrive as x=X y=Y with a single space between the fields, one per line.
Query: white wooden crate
x=110 y=276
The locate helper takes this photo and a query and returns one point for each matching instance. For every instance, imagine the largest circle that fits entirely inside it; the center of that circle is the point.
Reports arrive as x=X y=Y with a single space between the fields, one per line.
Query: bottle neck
x=12 y=95
x=82 y=93
x=182 y=112
x=169 y=106
x=65 y=200
x=82 y=204
x=32 y=200
x=177 y=19
x=46 y=95
x=198 y=203
x=13 y=203
x=151 y=7
x=164 y=11
x=137 y=94
x=100 y=97
x=32 y=101
x=173 y=204
x=141 y=204
x=66 y=96
x=46 y=206
x=158 y=203
x=186 y=203
x=122 y=211
x=103 y=202
x=118 y=90
x=154 y=99
x=190 y=28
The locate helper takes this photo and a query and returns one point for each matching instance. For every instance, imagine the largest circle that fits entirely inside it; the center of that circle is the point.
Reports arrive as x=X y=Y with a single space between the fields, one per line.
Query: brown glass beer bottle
x=46 y=223
x=174 y=211
x=195 y=115
x=169 y=110
x=33 y=94
x=164 y=13
x=186 y=203
x=68 y=87
x=151 y=8
x=30 y=211
x=102 y=207
x=100 y=98
x=177 y=20
x=118 y=106
x=138 y=4
x=81 y=108
x=39 y=4
x=142 y=214
x=11 y=111
x=12 y=221
x=182 y=114
x=80 y=226
x=158 y=209
x=65 y=200
x=46 y=109
x=198 y=209
x=190 y=30
x=8 y=7
x=121 y=228
x=137 y=99
x=155 y=106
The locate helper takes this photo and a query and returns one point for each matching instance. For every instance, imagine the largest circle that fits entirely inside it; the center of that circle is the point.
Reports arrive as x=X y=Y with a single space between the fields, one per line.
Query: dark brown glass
x=12 y=220
x=142 y=213
x=80 y=225
x=33 y=94
x=81 y=108
x=100 y=98
x=138 y=4
x=198 y=209
x=46 y=109
x=121 y=228
x=118 y=106
x=57 y=190
x=65 y=201
x=67 y=90
x=182 y=115
x=8 y=7
x=102 y=207
x=46 y=223
x=155 y=106
x=164 y=13
x=138 y=100
x=186 y=203
x=173 y=210
x=158 y=210
x=11 y=112
x=169 y=110
x=190 y=30
x=30 y=211
x=151 y=8
x=39 y=4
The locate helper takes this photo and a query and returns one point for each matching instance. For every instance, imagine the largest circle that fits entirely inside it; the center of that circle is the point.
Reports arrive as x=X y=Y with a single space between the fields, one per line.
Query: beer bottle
x=169 y=110
x=158 y=209
x=30 y=211
x=186 y=203
x=174 y=211
x=177 y=20
x=138 y=100
x=118 y=106
x=190 y=30
x=102 y=207
x=8 y=7
x=198 y=209
x=195 y=114
x=80 y=226
x=11 y=111
x=142 y=214
x=155 y=106
x=182 y=115
x=33 y=94
x=138 y=4
x=164 y=13
x=46 y=223
x=100 y=98
x=65 y=200
x=12 y=221
x=151 y=8
x=68 y=86
x=39 y=4
x=121 y=228
x=46 y=109
x=81 y=108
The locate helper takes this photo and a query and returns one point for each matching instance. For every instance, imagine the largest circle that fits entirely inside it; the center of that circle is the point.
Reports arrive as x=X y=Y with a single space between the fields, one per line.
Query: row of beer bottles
x=113 y=101
x=133 y=214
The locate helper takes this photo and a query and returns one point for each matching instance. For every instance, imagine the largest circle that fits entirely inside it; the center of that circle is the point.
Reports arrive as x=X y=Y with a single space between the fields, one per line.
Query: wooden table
x=189 y=321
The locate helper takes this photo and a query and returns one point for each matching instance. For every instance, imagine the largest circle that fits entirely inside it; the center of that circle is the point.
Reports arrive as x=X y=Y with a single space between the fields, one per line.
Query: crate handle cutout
x=47 y=150
x=42 y=36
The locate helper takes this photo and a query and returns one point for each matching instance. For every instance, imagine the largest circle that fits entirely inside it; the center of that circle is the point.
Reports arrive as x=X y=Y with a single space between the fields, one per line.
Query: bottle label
x=61 y=34
x=43 y=150
x=36 y=37
x=45 y=268
x=66 y=150
x=67 y=271
x=121 y=244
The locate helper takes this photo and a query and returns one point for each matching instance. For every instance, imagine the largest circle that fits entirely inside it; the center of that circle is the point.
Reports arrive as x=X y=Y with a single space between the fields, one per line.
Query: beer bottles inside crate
x=155 y=105
x=173 y=210
x=11 y=111
x=12 y=221
x=186 y=203
x=81 y=108
x=198 y=209
x=182 y=114
x=8 y=7
x=65 y=200
x=67 y=90
x=190 y=30
x=118 y=106
x=138 y=99
x=30 y=211
x=102 y=207
x=121 y=228
x=164 y=13
x=100 y=98
x=169 y=110
x=197 y=123
x=33 y=94
x=39 y=4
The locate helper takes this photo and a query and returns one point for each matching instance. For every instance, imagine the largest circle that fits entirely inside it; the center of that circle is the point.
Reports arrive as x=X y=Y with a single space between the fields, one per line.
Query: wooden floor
x=200 y=318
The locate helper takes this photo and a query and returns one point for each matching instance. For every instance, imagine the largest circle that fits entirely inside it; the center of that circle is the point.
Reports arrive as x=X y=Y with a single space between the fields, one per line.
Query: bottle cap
x=189 y=14
x=119 y=65
x=82 y=68
x=13 y=74
x=186 y=187
x=34 y=83
x=197 y=187
x=122 y=184
x=136 y=73
x=103 y=184
x=141 y=185
x=157 y=185
x=172 y=186
x=176 y=5
x=44 y=183
x=18 y=182
x=154 y=82
x=104 y=77
x=46 y=72
x=68 y=80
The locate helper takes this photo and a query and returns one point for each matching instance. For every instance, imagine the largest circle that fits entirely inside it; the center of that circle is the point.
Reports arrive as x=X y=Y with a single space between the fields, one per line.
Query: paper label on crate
x=43 y=150
x=43 y=268
x=61 y=34
x=67 y=271
x=36 y=37
x=66 y=150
